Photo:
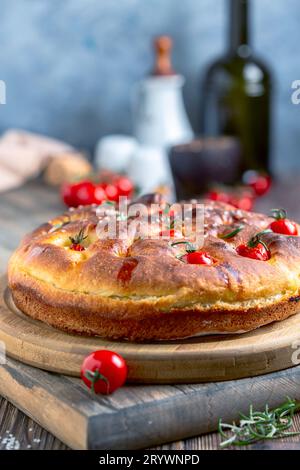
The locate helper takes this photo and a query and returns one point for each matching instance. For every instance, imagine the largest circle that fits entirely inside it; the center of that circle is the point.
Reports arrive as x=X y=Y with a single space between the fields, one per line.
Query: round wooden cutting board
x=210 y=358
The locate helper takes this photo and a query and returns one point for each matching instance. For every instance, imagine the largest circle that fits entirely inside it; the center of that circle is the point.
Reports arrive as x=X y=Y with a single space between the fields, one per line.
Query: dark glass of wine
x=237 y=94
x=202 y=163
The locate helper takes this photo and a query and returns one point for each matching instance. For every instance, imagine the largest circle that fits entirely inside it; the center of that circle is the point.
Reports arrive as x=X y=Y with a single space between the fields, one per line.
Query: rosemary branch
x=258 y=426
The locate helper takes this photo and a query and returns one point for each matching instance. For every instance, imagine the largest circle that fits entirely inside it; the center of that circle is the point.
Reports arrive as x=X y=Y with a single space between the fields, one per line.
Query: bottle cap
x=163 y=64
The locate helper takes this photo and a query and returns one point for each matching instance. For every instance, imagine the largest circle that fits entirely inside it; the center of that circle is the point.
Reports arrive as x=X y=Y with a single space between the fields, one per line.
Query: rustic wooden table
x=23 y=209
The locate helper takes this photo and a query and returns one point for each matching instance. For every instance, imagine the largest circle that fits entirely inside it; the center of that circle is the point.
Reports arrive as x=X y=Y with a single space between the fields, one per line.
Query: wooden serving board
x=213 y=358
x=137 y=416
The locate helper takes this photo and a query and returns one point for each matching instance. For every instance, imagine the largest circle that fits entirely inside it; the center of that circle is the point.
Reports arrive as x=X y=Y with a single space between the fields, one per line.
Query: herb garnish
x=79 y=237
x=278 y=214
x=59 y=225
x=254 y=241
x=258 y=426
x=190 y=248
x=233 y=233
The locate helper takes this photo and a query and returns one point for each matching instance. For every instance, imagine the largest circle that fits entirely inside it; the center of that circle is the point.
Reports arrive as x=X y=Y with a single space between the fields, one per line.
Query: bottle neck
x=239 y=26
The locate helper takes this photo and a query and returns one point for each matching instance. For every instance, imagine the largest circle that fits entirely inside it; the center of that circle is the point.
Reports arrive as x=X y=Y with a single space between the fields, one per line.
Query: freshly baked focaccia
x=142 y=288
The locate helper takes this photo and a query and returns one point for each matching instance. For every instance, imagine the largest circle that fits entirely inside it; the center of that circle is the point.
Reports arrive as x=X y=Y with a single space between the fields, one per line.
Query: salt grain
x=10 y=442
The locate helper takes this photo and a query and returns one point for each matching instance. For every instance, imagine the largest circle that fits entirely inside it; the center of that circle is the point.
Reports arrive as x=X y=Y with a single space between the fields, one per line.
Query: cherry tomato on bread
x=281 y=224
x=199 y=257
x=258 y=252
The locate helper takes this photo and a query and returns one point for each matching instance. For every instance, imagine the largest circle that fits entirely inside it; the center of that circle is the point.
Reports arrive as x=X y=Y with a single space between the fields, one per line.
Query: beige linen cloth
x=23 y=155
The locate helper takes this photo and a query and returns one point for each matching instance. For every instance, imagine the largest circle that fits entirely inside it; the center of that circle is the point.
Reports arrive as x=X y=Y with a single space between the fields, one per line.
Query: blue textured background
x=70 y=65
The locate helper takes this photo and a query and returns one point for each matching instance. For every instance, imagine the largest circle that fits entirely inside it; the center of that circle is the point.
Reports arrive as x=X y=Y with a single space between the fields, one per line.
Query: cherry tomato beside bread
x=104 y=371
x=68 y=195
x=77 y=194
x=259 y=182
x=219 y=196
x=124 y=186
x=85 y=193
x=89 y=192
x=99 y=194
x=112 y=193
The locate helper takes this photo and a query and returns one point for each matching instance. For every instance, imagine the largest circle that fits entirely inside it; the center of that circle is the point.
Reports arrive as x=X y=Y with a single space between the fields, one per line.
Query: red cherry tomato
x=284 y=226
x=77 y=247
x=78 y=194
x=241 y=199
x=199 y=257
x=259 y=182
x=218 y=196
x=104 y=371
x=124 y=186
x=167 y=233
x=85 y=193
x=99 y=194
x=258 y=252
x=233 y=201
x=245 y=203
x=68 y=195
x=213 y=195
x=112 y=193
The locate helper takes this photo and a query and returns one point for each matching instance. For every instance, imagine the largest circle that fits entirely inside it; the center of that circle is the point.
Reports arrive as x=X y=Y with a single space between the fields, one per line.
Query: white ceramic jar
x=159 y=113
x=114 y=152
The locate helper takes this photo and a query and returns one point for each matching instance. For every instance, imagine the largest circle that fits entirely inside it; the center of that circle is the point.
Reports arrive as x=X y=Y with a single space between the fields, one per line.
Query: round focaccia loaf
x=142 y=289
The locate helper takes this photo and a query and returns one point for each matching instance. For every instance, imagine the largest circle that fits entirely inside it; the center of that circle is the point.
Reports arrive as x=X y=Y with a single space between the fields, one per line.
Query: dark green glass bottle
x=237 y=94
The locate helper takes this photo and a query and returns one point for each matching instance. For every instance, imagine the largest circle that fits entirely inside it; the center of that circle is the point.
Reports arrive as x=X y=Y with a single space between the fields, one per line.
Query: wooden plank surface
x=136 y=416
x=23 y=209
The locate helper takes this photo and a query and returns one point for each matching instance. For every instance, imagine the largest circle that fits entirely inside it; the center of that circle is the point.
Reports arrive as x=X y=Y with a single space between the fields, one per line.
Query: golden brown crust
x=150 y=324
x=140 y=290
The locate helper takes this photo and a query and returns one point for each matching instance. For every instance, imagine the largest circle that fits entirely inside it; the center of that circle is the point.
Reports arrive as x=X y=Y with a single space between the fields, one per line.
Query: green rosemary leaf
x=190 y=248
x=233 y=233
x=79 y=237
x=268 y=424
x=256 y=239
x=278 y=214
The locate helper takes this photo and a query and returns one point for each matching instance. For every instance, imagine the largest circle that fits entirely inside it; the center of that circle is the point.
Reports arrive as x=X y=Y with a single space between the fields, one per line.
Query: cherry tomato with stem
x=256 y=248
x=104 y=371
x=281 y=224
x=77 y=241
x=193 y=256
x=258 y=252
